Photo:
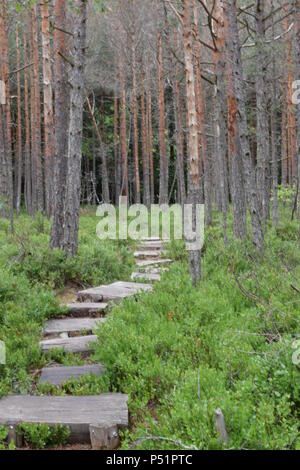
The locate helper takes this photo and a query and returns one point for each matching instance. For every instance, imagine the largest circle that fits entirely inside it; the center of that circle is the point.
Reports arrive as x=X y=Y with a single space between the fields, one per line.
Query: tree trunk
x=192 y=135
x=150 y=133
x=5 y=116
x=201 y=124
x=297 y=66
x=123 y=137
x=273 y=135
x=19 y=153
x=163 y=177
x=284 y=146
x=145 y=154
x=28 y=192
x=105 y=186
x=178 y=130
x=135 y=118
x=238 y=103
x=239 y=207
x=75 y=129
x=61 y=123
x=118 y=168
x=262 y=128
x=48 y=109
x=32 y=124
x=219 y=64
x=37 y=154
x=291 y=115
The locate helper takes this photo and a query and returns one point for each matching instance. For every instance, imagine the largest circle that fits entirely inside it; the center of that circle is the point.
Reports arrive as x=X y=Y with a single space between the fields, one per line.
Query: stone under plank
x=53 y=327
x=78 y=344
x=60 y=374
x=150 y=277
x=86 y=308
x=78 y=413
x=113 y=292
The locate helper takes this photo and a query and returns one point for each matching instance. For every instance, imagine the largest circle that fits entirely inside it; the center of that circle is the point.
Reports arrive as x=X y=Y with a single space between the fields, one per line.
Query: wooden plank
x=79 y=344
x=53 y=327
x=113 y=292
x=135 y=286
x=152 y=262
x=149 y=254
x=78 y=413
x=150 y=277
x=86 y=308
x=154 y=239
x=151 y=245
x=58 y=375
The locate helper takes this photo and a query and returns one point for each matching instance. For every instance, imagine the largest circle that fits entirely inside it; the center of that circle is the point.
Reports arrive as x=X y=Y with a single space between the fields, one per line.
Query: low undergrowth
x=29 y=273
x=39 y=436
x=179 y=353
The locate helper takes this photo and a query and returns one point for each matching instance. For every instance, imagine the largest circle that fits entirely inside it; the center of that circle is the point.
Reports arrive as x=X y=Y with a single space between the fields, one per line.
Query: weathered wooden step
x=150 y=277
x=116 y=291
x=79 y=344
x=59 y=374
x=154 y=239
x=86 y=309
x=78 y=413
x=152 y=262
x=155 y=245
x=72 y=325
x=149 y=254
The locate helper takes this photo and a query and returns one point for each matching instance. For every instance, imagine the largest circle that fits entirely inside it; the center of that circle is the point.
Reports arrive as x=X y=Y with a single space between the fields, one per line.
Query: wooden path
x=92 y=419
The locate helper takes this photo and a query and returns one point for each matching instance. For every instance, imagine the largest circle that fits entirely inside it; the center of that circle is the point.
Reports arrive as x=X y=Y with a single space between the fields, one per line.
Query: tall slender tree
x=72 y=202
x=201 y=122
x=123 y=131
x=5 y=116
x=163 y=177
x=38 y=186
x=61 y=121
x=234 y=147
x=48 y=109
x=27 y=186
x=192 y=137
x=135 y=116
x=19 y=153
x=238 y=102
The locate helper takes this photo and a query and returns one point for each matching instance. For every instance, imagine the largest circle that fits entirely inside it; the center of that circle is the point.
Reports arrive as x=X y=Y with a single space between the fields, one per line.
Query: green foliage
x=180 y=352
x=29 y=271
x=286 y=194
x=39 y=436
x=226 y=344
x=3 y=436
x=86 y=385
x=96 y=262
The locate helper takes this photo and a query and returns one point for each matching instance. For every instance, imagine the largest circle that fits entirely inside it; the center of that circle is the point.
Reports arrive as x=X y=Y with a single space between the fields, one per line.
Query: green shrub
x=39 y=436
x=226 y=344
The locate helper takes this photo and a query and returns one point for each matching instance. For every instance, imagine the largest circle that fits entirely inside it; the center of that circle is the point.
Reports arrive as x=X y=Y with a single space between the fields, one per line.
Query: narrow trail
x=94 y=420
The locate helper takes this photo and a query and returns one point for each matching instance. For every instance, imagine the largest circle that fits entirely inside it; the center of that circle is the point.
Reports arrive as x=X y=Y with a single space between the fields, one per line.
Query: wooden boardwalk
x=93 y=419
x=78 y=413
x=60 y=374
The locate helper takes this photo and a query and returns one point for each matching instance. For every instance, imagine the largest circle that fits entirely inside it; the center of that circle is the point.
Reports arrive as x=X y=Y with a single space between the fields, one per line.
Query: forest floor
x=187 y=351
